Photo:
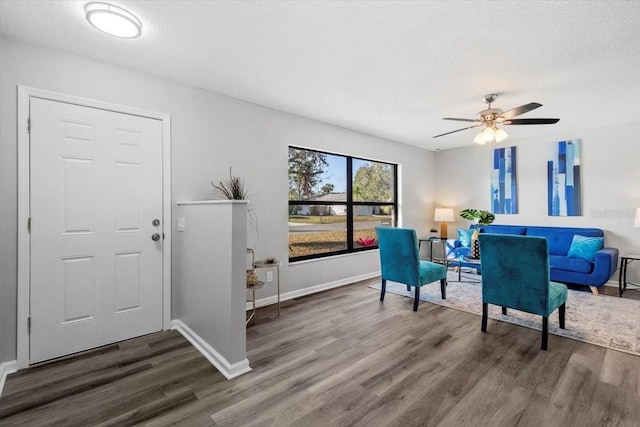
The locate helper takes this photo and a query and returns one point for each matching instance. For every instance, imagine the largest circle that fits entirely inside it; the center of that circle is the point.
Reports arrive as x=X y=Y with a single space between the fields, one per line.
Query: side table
x=430 y=240
x=622 y=279
x=276 y=265
x=253 y=288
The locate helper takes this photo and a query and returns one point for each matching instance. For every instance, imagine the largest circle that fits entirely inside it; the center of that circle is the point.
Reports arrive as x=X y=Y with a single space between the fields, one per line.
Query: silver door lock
x=155 y=222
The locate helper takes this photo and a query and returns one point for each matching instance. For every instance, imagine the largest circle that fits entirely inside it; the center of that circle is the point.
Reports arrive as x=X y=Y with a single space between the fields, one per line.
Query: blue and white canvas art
x=563 y=179
x=504 y=193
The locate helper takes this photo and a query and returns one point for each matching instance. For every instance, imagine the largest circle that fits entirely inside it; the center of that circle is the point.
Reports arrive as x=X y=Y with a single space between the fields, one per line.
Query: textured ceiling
x=390 y=69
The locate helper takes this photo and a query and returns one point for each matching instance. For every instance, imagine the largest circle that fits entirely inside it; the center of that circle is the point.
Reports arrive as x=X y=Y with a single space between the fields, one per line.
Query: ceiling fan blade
x=531 y=122
x=520 y=110
x=458 y=130
x=459 y=120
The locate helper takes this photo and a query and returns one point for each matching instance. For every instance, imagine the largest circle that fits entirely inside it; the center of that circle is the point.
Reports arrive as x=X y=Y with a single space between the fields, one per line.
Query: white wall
x=209 y=294
x=210 y=133
x=610 y=166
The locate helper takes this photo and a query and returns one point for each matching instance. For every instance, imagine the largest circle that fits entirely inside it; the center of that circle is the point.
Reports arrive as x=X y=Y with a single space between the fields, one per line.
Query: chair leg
x=485 y=314
x=561 y=313
x=408 y=288
x=443 y=288
x=417 y=299
x=383 y=288
x=545 y=332
x=504 y=310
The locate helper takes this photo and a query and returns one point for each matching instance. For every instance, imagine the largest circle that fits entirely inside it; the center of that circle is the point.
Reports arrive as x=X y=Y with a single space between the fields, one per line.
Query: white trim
x=326 y=258
x=6 y=368
x=22 y=345
x=229 y=370
x=312 y=290
x=24 y=94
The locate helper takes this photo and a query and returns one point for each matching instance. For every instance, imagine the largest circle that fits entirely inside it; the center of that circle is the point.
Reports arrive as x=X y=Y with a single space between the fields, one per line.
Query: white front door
x=96 y=193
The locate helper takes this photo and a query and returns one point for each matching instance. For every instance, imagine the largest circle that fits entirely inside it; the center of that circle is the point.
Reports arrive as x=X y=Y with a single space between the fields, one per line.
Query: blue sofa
x=575 y=271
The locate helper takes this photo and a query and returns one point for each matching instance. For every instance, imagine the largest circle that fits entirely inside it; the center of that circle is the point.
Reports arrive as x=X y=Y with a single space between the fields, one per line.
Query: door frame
x=25 y=93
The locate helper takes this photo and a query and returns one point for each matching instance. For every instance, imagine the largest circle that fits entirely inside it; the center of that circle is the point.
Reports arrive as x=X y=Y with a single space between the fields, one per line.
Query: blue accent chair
x=400 y=262
x=515 y=274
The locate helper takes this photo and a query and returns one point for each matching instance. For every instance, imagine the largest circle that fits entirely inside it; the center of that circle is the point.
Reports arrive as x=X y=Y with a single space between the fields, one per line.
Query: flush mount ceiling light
x=113 y=20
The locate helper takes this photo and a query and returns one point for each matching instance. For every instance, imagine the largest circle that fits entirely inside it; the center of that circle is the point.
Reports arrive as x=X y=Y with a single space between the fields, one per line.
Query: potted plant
x=478 y=217
x=232 y=188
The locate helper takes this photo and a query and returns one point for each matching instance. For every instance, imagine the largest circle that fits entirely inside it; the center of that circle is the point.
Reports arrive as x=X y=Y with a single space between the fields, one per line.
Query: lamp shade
x=488 y=134
x=443 y=215
x=636 y=223
x=479 y=139
x=501 y=135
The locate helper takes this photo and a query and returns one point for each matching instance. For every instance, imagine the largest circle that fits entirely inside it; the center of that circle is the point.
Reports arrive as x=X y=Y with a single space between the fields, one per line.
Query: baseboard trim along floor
x=229 y=370
x=7 y=368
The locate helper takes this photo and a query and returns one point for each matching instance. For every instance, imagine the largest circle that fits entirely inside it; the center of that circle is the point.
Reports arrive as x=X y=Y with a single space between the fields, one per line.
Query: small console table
x=252 y=288
x=622 y=279
x=430 y=240
x=276 y=265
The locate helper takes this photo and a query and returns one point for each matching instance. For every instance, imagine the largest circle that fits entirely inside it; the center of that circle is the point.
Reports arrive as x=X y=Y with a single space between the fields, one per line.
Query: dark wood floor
x=339 y=358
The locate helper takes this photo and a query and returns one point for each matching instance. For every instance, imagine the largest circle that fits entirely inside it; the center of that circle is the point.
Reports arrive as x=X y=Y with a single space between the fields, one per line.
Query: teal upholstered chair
x=515 y=274
x=400 y=262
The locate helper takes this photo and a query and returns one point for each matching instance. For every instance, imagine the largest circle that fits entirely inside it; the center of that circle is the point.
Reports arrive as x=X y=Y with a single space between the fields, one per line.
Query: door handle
x=155 y=237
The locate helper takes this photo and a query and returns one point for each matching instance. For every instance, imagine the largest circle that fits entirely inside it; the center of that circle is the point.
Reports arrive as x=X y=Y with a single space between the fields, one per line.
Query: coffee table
x=465 y=262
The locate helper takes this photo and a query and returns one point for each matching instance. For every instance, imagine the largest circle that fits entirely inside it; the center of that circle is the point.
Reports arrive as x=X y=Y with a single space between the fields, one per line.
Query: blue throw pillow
x=585 y=247
x=464 y=235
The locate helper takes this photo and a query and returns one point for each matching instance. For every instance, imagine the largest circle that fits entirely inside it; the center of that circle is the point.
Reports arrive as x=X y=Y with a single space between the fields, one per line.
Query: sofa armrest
x=605 y=264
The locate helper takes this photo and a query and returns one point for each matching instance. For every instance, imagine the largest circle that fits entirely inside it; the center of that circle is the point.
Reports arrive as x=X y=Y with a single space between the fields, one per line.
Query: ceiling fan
x=490 y=118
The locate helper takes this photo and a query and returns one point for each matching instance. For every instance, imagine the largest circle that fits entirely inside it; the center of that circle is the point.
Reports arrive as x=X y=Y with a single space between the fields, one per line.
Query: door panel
x=96 y=186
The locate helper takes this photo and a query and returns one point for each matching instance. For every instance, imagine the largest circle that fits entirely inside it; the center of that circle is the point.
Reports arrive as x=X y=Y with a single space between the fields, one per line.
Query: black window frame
x=350 y=205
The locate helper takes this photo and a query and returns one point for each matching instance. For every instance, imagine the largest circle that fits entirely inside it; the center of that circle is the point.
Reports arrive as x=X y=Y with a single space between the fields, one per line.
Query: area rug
x=606 y=321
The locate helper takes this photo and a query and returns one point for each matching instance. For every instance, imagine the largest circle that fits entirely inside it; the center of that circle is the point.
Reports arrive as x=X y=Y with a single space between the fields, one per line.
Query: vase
x=252 y=278
x=475 y=249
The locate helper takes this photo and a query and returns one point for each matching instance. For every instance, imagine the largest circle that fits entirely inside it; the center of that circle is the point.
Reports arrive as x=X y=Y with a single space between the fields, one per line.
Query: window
x=336 y=202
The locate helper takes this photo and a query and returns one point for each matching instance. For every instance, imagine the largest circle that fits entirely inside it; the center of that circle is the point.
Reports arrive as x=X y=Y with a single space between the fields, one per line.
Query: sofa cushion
x=504 y=229
x=585 y=247
x=560 y=238
x=577 y=265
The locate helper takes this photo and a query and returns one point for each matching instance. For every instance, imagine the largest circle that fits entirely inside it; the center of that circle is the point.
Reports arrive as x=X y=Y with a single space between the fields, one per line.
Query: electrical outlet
x=269 y=276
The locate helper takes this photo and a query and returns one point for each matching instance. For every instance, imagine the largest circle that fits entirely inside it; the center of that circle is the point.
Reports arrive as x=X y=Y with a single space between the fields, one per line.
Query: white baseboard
x=7 y=368
x=262 y=302
x=229 y=370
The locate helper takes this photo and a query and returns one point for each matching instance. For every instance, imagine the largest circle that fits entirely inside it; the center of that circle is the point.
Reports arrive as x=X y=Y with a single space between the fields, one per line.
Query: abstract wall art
x=504 y=194
x=563 y=179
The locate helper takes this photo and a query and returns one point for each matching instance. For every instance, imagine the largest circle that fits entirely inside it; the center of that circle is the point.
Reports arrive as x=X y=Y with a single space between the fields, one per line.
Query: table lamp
x=636 y=223
x=443 y=215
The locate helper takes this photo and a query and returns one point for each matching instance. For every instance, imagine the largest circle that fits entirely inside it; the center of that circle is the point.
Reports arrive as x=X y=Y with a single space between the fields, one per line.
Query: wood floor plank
x=339 y=358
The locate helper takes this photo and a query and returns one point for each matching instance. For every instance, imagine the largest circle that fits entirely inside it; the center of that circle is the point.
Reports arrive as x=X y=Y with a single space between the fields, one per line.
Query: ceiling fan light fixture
x=113 y=20
x=501 y=135
x=488 y=134
x=479 y=139
x=491 y=117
